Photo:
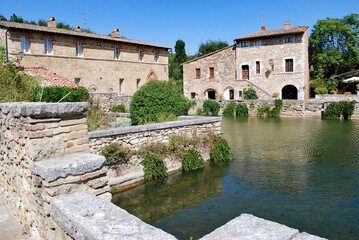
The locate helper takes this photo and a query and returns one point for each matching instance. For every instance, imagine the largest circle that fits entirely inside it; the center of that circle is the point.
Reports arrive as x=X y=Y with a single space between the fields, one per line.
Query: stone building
x=273 y=62
x=98 y=62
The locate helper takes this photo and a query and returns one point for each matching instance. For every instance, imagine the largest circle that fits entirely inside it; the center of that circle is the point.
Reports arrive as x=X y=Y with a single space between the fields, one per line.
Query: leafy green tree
x=15 y=18
x=42 y=22
x=2 y=18
x=175 y=60
x=334 y=46
x=211 y=46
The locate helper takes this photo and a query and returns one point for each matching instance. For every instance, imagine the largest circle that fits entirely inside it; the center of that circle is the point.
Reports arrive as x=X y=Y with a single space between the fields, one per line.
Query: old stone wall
x=337 y=97
x=43 y=154
x=109 y=100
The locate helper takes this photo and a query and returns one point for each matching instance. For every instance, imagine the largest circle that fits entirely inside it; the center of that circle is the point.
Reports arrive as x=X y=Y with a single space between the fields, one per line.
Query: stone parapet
x=337 y=97
x=108 y=100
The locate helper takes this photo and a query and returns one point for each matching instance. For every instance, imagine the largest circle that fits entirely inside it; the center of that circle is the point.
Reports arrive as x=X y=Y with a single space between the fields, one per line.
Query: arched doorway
x=289 y=92
x=228 y=93
x=210 y=94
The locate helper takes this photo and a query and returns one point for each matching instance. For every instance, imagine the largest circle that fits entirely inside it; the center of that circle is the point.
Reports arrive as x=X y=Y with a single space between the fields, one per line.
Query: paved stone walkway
x=10 y=228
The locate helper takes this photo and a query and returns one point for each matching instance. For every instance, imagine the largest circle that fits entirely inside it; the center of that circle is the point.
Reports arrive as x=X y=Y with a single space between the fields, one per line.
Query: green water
x=303 y=173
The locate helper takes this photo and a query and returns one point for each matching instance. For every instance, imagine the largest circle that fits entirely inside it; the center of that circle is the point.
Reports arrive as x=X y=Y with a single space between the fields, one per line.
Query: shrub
x=347 y=108
x=263 y=110
x=119 y=108
x=192 y=160
x=211 y=108
x=220 y=150
x=199 y=111
x=153 y=166
x=96 y=119
x=55 y=94
x=241 y=110
x=154 y=98
x=266 y=109
x=229 y=109
x=321 y=90
x=250 y=93
x=332 y=111
x=166 y=117
x=115 y=154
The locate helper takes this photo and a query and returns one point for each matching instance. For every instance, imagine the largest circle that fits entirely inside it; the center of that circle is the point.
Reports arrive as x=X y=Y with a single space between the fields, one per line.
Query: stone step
x=73 y=164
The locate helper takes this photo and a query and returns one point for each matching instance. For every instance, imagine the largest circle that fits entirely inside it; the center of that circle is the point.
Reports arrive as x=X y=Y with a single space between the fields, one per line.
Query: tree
x=334 y=46
x=211 y=46
x=175 y=60
x=2 y=18
x=15 y=18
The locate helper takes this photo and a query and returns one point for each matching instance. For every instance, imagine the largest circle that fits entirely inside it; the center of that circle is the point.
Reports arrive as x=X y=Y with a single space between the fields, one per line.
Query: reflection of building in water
x=162 y=198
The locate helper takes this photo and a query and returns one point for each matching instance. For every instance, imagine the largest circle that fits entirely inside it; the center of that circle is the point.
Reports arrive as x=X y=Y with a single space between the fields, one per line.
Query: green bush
x=335 y=110
x=229 y=109
x=55 y=94
x=199 y=112
x=347 y=108
x=241 y=110
x=115 y=154
x=250 y=93
x=119 y=108
x=153 y=166
x=321 y=90
x=192 y=160
x=154 y=98
x=268 y=111
x=211 y=108
x=220 y=150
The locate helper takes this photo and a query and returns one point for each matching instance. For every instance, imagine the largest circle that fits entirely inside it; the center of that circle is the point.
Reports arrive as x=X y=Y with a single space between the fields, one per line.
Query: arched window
x=25 y=45
x=117 y=53
x=156 y=57
x=79 y=50
x=47 y=46
x=140 y=56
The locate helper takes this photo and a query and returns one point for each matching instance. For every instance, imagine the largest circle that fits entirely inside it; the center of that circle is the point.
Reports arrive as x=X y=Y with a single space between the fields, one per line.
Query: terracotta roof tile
x=274 y=32
x=34 y=27
x=50 y=78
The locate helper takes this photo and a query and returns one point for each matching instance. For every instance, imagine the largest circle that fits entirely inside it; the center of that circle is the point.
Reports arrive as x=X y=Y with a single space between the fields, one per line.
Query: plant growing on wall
x=199 y=112
x=119 y=108
x=250 y=93
x=335 y=110
x=268 y=111
x=241 y=110
x=192 y=160
x=220 y=150
x=211 y=108
x=116 y=154
x=229 y=109
x=154 y=167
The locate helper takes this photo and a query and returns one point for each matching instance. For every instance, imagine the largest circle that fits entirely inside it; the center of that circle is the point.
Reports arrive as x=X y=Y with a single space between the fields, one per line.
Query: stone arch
x=93 y=88
x=289 y=92
x=210 y=93
x=110 y=89
x=152 y=76
x=228 y=93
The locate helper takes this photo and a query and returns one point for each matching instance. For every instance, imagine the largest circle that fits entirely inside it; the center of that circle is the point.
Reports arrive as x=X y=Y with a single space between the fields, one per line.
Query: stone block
x=98 y=182
x=73 y=122
x=75 y=164
x=40 y=134
x=100 y=191
x=94 y=174
x=85 y=216
x=77 y=149
x=36 y=127
x=82 y=141
x=307 y=236
x=62 y=181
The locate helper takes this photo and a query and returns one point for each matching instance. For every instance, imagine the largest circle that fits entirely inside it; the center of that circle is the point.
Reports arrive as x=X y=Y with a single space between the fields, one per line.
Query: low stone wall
x=134 y=137
x=109 y=100
x=337 y=97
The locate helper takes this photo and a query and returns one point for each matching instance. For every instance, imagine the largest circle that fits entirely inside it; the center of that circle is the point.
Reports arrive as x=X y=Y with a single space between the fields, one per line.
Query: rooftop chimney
x=286 y=25
x=77 y=28
x=115 y=33
x=52 y=22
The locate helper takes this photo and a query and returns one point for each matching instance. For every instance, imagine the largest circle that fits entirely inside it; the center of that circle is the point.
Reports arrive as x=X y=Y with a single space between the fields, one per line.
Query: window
x=289 y=65
x=138 y=84
x=92 y=90
x=110 y=90
x=79 y=50
x=77 y=81
x=156 y=57
x=121 y=85
x=198 y=73
x=211 y=72
x=47 y=46
x=245 y=72
x=258 y=67
x=288 y=40
x=240 y=93
x=244 y=44
x=117 y=53
x=25 y=45
x=140 y=56
x=193 y=95
x=257 y=43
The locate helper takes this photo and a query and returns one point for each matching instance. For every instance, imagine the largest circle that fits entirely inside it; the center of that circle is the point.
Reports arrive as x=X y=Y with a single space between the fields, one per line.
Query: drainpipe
x=7 y=51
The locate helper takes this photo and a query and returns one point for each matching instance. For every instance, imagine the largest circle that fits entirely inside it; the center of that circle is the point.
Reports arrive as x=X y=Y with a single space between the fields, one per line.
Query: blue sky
x=194 y=21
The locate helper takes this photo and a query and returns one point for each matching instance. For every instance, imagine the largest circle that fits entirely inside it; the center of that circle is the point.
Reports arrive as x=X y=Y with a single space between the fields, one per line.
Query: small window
x=79 y=50
x=244 y=44
x=92 y=90
x=156 y=57
x=140 y=56
x=211 y=72
x=77 y=81
x=289 y=40
x=47 y=46
x=110 y=90
x=193 y=95
x=117 y=53
x=289 y=65
x=258 y=43
x=138 y=84
x=258 y=67
x=25 y=45
x=240 y=93
x=198 y=73
x=121 y=85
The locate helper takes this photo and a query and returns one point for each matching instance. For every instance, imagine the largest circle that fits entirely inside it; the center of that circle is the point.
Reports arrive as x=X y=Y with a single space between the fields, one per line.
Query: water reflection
x=300 y=172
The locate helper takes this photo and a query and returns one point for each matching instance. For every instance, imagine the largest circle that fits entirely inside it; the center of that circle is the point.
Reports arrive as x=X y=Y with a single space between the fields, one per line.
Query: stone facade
x=96 y=68
x=273 y=62
x=108 y=100
x=337 y=97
